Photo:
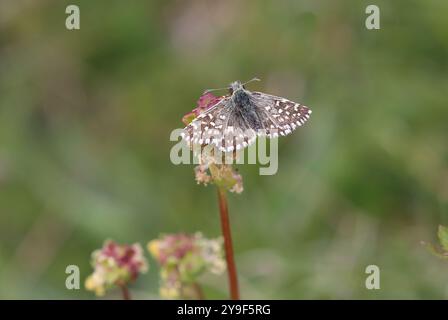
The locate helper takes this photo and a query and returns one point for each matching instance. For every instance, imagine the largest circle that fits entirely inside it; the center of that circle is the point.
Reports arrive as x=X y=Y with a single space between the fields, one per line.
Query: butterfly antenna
x=253 y=79
x=210 y=90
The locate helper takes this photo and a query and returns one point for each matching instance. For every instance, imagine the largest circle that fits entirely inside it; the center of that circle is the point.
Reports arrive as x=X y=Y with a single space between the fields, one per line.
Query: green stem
x=198 y=291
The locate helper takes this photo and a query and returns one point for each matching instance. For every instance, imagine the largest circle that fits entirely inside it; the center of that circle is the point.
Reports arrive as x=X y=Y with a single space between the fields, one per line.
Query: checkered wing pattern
x=229 y=128
x=280 y=116
x=215 y=126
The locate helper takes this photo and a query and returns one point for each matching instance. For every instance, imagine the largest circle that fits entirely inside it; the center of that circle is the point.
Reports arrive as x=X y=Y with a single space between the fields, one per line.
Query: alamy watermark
x=373 y=18
x=237 y=151
x=72 y=22
x=72 y=280
x=373 y=280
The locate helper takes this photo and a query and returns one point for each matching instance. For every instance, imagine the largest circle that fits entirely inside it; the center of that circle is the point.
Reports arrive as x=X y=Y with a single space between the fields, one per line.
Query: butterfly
x=235 y=120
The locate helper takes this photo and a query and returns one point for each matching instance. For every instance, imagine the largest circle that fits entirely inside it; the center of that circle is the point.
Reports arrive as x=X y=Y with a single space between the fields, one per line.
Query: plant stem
x=225 y=227
x=125 y=292
x=198 y=290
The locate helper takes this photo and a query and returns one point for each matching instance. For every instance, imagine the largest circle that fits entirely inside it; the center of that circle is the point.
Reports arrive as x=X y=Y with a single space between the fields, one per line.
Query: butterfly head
x=235 y=86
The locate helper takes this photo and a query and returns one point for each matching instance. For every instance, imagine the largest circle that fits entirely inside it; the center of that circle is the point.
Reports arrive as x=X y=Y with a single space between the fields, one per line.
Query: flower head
x=183 y=258
x=115 y=264
x=206 y=101
x=224 y=176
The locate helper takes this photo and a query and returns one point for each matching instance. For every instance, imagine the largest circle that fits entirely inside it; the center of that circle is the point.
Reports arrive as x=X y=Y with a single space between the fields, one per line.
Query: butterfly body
x=245 y=108
x=237 y=119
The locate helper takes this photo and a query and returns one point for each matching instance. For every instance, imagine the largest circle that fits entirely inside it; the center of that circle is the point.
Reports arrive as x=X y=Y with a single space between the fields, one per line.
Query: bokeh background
x=85 y=119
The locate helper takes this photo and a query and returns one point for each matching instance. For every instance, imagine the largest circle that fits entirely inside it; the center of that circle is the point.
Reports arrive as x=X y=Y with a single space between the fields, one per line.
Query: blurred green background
x=85 y=118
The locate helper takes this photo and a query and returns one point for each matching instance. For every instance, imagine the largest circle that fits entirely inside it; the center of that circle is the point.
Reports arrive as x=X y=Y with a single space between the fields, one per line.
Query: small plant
x=183 y=259
x=116 y=265
x=229 y=124
x=225 y=177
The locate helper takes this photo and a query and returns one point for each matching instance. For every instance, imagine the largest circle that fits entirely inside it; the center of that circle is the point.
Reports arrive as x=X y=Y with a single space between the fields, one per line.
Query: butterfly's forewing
x=280 y=116
x=210 y=126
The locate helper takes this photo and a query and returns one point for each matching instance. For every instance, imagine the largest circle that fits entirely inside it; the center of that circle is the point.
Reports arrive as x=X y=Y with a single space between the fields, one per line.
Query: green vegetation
x=85 y=119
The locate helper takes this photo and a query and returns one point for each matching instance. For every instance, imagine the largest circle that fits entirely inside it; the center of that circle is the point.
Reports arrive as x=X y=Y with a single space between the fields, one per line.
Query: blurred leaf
x=443 y=237
x=435 y=251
